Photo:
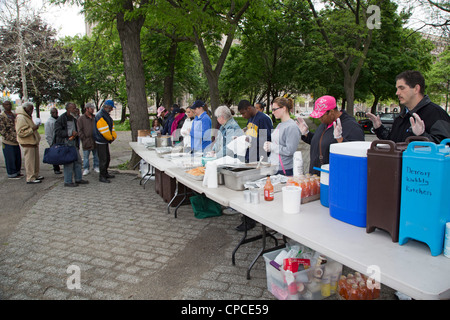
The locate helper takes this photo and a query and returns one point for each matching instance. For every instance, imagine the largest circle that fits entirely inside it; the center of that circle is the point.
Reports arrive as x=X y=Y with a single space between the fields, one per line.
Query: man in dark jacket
x=104 y=134
x=85 y=125
x=66 y=132
x=336 y=127
x=419 y=116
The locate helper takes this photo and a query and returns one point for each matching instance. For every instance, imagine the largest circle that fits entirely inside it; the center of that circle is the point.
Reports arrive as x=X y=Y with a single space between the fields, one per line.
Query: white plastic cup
x=247 y=196
x=254 y=195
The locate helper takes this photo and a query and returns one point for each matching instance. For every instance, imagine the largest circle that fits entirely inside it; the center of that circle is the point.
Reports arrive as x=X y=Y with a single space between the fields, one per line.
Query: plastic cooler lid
x=351 y=148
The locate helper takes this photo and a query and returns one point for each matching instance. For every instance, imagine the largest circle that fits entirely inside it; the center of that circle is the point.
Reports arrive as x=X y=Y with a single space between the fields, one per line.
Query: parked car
x=387 y=119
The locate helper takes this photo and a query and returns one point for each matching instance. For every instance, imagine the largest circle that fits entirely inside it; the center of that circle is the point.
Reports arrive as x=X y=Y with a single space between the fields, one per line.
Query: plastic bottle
x=305 y=188
x=268 y=190
x=362 y=291
x=342 y=287
x=354 y=294
x=316 y=184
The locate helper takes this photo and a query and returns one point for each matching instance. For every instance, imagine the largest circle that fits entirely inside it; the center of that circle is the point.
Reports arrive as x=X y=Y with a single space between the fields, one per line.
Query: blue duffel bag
x=60 y=154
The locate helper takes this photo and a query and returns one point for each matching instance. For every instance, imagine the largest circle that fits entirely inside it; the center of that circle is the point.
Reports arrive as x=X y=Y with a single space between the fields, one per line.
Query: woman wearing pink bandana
x=336 y=126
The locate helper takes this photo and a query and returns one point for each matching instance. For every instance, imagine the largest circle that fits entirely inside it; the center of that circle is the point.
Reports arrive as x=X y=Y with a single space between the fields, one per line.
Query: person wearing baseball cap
x=201 y=127
x=336 y=126
x=104 y=134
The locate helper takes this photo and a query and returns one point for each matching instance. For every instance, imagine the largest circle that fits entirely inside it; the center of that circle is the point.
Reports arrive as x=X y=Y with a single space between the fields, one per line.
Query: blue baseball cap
x=109 y=103
x=197 y=104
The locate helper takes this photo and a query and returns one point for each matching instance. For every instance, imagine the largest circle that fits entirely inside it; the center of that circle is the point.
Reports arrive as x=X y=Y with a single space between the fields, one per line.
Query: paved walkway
x=119 y=241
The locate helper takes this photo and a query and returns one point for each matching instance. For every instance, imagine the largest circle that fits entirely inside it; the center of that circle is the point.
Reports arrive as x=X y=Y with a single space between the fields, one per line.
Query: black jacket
x=437 y=123
x=320 y=146
x=61 y=136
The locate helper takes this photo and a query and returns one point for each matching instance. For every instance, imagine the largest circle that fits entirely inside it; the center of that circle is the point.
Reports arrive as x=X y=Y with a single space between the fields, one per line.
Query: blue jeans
x=73 y=169
x=13 y=159
x=86 y=158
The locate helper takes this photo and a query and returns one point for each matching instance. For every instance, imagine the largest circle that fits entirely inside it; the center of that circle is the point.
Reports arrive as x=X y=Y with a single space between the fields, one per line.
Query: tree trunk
x=123 y=116
x=374 y=105
x=168 y=80
x=129 y=33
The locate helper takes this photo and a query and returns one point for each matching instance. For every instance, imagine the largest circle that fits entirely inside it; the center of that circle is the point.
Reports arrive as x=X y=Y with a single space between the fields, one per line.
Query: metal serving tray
x=236 y=177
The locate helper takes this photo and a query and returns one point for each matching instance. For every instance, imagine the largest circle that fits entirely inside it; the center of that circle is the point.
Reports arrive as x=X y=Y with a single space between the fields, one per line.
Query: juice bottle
x=305 y=188
x=268 y=190
x=318 y=184
x=291 y=182
x=342 y=287
x=354 y=294
x=362 y=291
x=348 y=285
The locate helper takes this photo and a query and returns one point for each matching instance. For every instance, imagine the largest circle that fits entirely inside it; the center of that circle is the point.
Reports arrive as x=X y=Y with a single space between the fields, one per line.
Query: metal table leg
x=263 y=250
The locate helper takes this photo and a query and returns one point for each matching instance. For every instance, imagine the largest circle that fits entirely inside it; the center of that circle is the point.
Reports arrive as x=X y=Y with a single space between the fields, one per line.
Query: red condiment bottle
x=268 y=190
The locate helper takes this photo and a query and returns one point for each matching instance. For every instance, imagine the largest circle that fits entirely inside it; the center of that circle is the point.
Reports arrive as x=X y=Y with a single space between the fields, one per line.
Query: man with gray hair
x=29 y=138
x=229 y=129
x=50 y=134
x=86 y=124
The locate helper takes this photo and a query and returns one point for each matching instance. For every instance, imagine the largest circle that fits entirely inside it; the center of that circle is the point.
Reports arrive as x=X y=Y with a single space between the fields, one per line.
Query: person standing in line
x=104 y=134
x=50 y=134
x=66 y=132
x=28 y=137
x=201 y=127
x=260 y=107
x=285 y=138
x=186 y=128
x=10 y=146
x=86 y=133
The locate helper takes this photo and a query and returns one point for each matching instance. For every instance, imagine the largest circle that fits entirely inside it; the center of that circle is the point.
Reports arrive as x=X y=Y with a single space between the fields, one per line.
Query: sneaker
x=82 y=182
x=40 y=178
x=16 y=177
x=229 y=211
x=110 y=176
x=85 y=172
x=34 y=181
x=57 y=172
x=70 y=184
x=97 y=170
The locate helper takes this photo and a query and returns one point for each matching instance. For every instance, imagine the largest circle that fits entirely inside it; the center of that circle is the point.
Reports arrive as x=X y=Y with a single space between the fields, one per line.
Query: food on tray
x=199 y=171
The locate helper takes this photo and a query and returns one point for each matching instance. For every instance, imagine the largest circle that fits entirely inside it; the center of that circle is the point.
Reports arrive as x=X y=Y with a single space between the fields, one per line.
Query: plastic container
x=324 y=184
x=314 y=283
x=384 y=172
x=348 y=182
x=424 y=207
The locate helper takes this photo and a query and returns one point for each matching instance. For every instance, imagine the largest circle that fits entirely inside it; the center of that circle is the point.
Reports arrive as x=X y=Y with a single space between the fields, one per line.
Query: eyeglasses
x=275 y=109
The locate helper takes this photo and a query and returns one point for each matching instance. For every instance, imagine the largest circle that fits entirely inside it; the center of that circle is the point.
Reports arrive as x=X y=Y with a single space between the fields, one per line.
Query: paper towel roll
x=291 y=199
x=210 y=178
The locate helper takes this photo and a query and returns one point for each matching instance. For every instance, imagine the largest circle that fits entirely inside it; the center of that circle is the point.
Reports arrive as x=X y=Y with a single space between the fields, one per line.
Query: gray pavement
x=119 y=242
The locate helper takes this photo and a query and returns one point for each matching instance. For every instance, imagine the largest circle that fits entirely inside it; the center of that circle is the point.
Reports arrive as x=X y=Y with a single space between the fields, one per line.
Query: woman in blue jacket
x=201 y=127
